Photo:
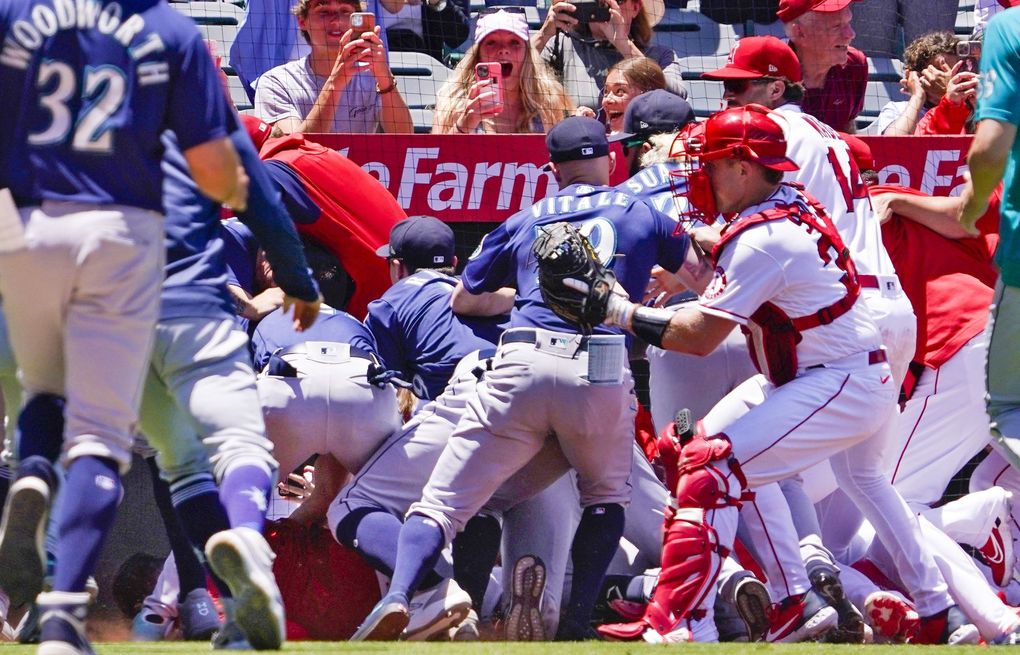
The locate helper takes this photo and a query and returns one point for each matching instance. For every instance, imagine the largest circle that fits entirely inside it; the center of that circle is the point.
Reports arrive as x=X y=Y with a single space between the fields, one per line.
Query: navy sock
x=197 y=502
x=190 y=572
x=373 y=533
x=39 y=467
x=41 y=427
x=5 y=482
x=244 y=492
x=474 y=554
x=595 y=542
x=419 y=546
x=92 y=492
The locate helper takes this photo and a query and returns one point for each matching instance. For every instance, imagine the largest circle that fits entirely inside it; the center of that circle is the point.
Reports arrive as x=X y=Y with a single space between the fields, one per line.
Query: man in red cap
x=334 y=201
x=834 y=74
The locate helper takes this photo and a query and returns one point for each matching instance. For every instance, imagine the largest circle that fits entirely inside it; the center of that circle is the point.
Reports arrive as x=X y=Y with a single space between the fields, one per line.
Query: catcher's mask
x=748 y=133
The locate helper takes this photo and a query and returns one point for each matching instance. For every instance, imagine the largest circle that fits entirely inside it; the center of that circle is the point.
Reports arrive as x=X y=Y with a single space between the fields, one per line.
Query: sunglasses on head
x=492 y=10
x=739 y=86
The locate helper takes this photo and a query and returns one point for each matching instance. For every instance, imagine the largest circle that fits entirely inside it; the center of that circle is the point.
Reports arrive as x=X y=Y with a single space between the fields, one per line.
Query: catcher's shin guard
x=709 y=479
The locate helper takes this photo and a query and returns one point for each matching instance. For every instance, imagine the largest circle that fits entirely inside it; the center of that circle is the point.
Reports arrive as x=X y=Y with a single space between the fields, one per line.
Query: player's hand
x=881 y=205
x=238 y=200
x=661 y=286
x=972 y=208
x=305 y=312
x=619 y=308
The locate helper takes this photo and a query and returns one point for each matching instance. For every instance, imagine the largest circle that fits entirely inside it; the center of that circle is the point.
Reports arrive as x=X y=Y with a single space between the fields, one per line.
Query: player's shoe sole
x=434 y=611
x=892 y=618
x=752 y=601
x=233 y=555
x=22 y=540
x=385 y=622
x=524 y=620
x=850 y=626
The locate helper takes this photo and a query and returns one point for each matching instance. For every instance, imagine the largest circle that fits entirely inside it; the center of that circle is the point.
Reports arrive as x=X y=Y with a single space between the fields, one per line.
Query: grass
x=508 y=648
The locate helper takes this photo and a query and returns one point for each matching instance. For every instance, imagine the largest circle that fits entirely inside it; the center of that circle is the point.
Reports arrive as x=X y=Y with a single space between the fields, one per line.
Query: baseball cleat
x=850 y=628
x=466 y=630
x=151 y=626
x=230 y=637
x=524 y=620
x=243 y=560
x=198 y=616
x=62 y=623
x=998 y=553
x=386 y=621
x=950 y=626
x=753 y=604
x=803 y=617
x=23 y=539
x=436 y=610
x=891 y=617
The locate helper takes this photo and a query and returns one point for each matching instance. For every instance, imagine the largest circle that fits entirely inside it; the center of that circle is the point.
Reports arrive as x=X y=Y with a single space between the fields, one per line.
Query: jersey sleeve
x=673 y=245
x=382 y=324
x=490 y=268
x=746 y=277
x=999 y=96
x=197 y=109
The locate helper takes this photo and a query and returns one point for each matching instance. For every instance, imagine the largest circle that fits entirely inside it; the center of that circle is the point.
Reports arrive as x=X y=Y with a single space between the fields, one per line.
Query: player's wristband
x=650 y=323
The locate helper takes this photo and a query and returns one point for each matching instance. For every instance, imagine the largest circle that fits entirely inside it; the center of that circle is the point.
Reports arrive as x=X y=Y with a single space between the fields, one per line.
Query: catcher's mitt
x=562 y=252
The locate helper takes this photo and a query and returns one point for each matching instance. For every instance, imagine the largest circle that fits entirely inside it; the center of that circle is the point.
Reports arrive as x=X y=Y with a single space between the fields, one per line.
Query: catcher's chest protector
x=772 y=336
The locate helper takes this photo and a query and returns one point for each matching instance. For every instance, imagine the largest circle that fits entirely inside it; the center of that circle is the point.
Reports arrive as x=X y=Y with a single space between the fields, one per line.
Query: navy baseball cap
x=576 y=138
x=654 y=112
x=421 y=242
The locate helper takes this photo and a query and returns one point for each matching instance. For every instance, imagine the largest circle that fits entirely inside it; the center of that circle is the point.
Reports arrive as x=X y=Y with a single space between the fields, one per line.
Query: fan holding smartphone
x=500 y=86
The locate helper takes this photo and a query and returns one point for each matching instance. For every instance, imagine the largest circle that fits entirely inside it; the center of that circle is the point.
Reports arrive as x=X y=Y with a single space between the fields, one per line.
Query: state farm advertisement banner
x=490 y=177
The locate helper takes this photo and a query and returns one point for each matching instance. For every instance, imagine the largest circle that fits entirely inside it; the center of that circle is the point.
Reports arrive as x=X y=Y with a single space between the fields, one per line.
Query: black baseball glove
x=563 y=253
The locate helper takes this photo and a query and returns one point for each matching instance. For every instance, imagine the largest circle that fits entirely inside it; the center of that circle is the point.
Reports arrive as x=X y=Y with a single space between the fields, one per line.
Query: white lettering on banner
x=380 y=170
x=411 y=159
x=894 y=174
x=483 y=171
x=931 y=179
x=531 y=175
x=453 y=186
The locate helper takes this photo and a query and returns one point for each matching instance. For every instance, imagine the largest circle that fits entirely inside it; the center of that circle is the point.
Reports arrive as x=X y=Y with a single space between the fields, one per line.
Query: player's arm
x=937 y=213
x=492 y=303
x=989 y=153
x=216 y=169
x=688 y=330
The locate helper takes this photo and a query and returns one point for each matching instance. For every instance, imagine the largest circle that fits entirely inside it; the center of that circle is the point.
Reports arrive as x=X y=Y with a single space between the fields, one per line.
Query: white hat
x=654 y=9
x=502 y=21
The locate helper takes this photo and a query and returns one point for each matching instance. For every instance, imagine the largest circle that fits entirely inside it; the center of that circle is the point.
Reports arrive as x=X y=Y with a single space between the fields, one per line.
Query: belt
x=278 y=366
x=858 y=359
x=527 y=335
x=889 y=282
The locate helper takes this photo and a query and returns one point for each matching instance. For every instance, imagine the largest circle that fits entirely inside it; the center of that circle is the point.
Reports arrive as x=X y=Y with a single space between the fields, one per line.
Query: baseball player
x=820 y=367
x=546 y=378
x=82 y=258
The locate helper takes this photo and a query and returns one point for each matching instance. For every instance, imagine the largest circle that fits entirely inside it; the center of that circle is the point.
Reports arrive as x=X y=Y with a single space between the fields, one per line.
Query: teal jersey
x=999 y=100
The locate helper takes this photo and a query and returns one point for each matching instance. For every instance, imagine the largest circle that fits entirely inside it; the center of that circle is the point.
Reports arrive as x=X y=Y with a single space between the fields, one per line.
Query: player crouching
x=783 y=274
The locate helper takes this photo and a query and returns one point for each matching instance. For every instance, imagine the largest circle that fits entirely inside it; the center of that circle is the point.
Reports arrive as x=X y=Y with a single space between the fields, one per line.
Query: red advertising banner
x=491 y=177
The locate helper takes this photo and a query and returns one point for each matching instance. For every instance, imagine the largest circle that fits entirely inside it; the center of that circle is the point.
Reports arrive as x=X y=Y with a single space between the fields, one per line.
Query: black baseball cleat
x=850 y=628
x=62 y=621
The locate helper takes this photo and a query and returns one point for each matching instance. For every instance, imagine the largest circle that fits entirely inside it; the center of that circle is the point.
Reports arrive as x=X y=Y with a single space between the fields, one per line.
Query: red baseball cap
x=860 y=151
x=758 y=56
x=257 y=128
x=792 y=9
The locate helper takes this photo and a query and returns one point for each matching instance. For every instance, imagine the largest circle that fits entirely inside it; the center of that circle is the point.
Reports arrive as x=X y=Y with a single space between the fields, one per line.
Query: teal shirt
x=1000 y=100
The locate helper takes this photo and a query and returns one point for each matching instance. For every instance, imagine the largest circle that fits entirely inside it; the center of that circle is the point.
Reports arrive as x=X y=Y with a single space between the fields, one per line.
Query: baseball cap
x=860 y=151
x=421 y=241
x=575 y=138
x=257 y=128
x=654 y=112
x=758 y=56
x=502 y=21
x=793 y=9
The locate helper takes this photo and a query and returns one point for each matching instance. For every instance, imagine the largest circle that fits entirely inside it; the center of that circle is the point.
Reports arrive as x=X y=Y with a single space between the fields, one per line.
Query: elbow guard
x=650 y=324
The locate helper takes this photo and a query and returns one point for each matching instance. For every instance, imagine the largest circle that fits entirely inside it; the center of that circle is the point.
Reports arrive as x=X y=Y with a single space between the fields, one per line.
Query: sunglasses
x=739 y=86
x=508 y=9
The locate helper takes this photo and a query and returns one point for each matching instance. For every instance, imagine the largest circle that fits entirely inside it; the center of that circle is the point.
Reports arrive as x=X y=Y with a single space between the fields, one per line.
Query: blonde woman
x=627 y=80
x=532 y=99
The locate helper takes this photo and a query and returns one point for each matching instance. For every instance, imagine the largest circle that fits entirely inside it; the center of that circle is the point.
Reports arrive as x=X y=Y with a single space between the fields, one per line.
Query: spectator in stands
x=422 y=25
x=582 y=53
x=985 y=9
x=929 y=77
x=877 y=23
x=533 y=100
x=344 y=85
x=627 y=79
x=835 y=75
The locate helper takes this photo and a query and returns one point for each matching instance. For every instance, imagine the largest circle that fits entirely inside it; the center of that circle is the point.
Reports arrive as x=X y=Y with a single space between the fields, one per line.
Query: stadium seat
x=691 y=33
x=237 y=93
x=965 y=21
x=883 y=69
x=704 y=96
x=420 y=77
x=217 y=21
x=422 y=120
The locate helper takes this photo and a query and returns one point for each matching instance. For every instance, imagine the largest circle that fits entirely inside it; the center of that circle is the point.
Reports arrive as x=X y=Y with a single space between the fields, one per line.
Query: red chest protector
x=772 y=336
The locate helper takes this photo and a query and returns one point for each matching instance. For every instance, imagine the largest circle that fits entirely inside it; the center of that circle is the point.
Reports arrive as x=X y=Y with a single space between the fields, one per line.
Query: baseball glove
x=564 y=253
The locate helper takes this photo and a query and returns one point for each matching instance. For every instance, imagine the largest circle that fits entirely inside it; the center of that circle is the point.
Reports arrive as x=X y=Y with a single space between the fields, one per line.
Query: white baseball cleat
x=386 y=621
x=242 y=559
x=435 y=610
x=891 y=617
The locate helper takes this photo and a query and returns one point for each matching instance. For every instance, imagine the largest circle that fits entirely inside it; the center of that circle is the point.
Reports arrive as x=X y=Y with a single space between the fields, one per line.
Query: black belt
x=874 y=357
x=279 y=367
x=531 y=336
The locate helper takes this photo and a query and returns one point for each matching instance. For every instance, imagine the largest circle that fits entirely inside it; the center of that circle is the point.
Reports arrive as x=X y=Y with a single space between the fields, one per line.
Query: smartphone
x=491 y=71
x=970 y=53
x=362 y=21
x=590 y=11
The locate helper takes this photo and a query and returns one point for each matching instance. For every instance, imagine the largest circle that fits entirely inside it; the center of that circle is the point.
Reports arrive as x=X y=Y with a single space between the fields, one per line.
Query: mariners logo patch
x=716 y=287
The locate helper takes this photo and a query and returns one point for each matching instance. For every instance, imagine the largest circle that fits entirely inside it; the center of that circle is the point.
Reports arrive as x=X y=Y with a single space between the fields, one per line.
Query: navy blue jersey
x=418 y=334
x=652 y=184
x=196 y=268
x=276 y=331
x=90 y=86
x=241 y=249
x=299 y=204
x=628 y=235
